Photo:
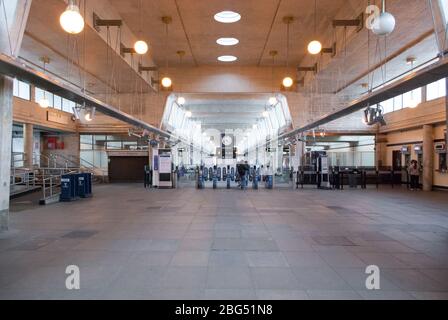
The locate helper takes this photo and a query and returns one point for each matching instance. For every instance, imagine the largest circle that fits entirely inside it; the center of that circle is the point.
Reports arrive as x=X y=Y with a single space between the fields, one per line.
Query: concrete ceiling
x=260 y=30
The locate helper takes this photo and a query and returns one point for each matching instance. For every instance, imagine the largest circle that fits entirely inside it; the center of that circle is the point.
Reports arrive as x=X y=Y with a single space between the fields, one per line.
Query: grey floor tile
x=273 y=278
x=229 y=278
x=264 y=294
x=266 y=259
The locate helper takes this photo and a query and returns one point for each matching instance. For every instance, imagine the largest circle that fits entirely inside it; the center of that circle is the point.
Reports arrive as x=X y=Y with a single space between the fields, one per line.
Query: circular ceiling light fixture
x=188 y=114
x=384 y=24
x=272 y=101
x=227 y=17
x=71 y=19
x=227 y=58
x=314 y=47
x=181 y=100
x=227 y=41
x=288 y=82
x=166 y=82
x=265 y=114
x=141 y=47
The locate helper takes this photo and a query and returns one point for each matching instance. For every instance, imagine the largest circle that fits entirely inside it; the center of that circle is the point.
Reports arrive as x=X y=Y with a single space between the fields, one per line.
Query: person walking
x=414 y=174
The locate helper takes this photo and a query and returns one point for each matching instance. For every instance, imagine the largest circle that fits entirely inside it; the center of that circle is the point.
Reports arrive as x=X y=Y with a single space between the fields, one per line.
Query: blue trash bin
x=68 y=188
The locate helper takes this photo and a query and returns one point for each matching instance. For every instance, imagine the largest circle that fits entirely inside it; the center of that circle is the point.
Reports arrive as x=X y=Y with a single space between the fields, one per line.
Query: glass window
x=444 y=8
x=22 y=90
x=398 y=102
x=16 y=88
x=388 y=105
x=412 y=97
x=86 y=142
x=114 y=145
x=57 y=102
x=435 y=90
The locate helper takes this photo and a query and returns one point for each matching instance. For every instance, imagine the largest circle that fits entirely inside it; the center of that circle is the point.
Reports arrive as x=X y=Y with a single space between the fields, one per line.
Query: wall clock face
x=227 y=140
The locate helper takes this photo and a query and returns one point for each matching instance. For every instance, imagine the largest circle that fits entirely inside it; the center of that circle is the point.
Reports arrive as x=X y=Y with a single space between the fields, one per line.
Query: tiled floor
x=227 y=244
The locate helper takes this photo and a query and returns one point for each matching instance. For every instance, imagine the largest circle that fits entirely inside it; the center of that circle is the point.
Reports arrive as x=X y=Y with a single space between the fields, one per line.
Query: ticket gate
x=232 y=173
x=224 y=174
x=269 y=182
x=219 y=173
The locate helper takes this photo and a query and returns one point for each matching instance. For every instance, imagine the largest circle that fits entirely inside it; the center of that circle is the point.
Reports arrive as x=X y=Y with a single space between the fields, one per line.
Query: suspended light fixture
x=181 y=100
x=384 y=24
x=188 y=114
x=44 y=103
x=413 y=103
x=272 y=99
x=374 y=115
x=71 y=19
x=315 y=47
x=140 y=46
x=265 y=114
x=287 y=81
x=166 y=81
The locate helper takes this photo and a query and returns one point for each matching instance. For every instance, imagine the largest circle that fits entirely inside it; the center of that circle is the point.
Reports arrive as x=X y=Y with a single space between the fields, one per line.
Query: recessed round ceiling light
x=227 y=17
x=227 y=58
x=227 y=41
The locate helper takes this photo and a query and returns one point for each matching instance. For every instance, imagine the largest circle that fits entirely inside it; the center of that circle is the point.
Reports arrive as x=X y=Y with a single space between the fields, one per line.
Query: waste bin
x=68 y=188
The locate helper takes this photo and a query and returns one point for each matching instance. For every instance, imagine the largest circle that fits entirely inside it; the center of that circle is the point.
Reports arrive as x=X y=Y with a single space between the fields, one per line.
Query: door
x=127 y=169
x=396 y=160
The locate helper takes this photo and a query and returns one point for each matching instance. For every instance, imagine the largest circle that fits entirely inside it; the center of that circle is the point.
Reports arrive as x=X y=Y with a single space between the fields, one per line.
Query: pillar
x=12 y=25
x=380 y=150
x=28 y=143
x=6 y=86
x=428 y=157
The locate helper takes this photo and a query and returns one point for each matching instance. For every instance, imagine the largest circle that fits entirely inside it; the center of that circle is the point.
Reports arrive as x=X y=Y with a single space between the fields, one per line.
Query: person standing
x=414 y=174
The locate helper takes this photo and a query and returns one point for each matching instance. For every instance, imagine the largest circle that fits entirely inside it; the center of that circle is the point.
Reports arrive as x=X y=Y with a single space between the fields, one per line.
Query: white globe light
x=265 y=114
x=181 y=100
x=314 y=47
x=44 y=103
x=166 y=82
x=188 y=114
x=71 y=20
x=288 y=82
x=384 y=24
x=272 y=101
x=141 y=47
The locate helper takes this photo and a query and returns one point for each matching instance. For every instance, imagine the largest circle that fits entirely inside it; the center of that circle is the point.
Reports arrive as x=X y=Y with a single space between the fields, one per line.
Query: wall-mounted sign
x=58 y=117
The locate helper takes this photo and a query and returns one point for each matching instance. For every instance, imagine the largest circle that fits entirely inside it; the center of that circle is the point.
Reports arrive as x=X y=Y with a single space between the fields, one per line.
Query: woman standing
x=414 y=174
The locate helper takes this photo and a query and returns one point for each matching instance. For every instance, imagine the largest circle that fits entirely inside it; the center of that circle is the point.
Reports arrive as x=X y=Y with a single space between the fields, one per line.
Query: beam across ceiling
x=13 y=68
x=412 y=81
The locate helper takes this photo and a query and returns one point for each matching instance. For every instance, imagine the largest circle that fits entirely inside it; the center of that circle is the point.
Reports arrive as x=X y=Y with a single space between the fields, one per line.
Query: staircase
x=46 y=176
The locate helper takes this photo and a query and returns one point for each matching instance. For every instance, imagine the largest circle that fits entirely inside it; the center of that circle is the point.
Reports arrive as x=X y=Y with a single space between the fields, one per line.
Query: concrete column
x=6 y=97
x=428 y=157
x=28 y=144
x=12 y=26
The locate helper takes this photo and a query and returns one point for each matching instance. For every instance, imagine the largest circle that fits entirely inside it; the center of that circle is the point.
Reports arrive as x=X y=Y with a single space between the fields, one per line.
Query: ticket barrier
x=228 y=178
x=255 y=181
x=215 y=179
x=219 y=173
x=269 y=182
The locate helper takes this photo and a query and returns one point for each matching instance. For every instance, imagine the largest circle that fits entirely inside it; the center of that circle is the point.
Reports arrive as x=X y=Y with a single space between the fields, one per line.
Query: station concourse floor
x=132 y=243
